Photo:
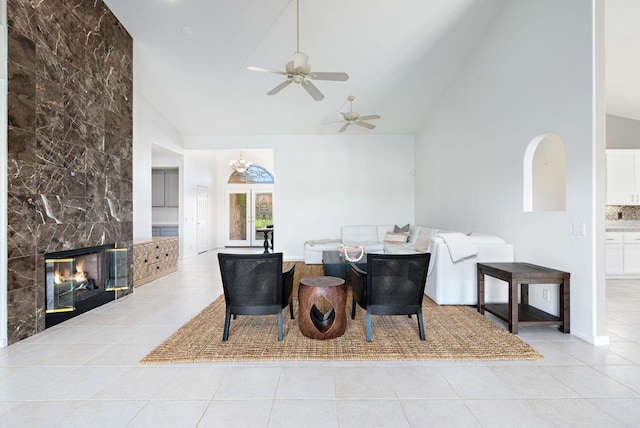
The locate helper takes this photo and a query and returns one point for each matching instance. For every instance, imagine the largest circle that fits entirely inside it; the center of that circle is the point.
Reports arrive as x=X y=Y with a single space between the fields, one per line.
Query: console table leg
x=565 y=305
x=513 y=307
x=524 y=294
x=480 y=280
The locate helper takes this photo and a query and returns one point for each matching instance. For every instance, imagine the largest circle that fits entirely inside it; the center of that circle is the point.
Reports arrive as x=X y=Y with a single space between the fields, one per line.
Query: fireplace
x=79 y=280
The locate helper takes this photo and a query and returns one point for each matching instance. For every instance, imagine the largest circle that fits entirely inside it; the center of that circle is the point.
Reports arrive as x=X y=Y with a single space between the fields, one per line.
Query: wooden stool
x=312 y=321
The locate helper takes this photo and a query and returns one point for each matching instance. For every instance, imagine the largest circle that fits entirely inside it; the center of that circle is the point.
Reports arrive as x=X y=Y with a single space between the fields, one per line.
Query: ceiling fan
x=354 y=118
x=299 y=70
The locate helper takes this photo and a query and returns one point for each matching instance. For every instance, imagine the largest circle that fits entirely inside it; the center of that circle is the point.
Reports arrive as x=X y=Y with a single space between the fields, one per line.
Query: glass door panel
x=263 y=209
x=238 y=218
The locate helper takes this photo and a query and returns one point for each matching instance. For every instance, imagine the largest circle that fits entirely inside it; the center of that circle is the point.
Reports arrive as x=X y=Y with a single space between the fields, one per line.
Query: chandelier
x=240 y=165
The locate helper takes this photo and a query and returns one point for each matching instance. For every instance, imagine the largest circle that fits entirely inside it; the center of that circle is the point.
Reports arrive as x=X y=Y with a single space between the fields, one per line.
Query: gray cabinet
x=165 y=190
x=171 y=189
x=164 y=231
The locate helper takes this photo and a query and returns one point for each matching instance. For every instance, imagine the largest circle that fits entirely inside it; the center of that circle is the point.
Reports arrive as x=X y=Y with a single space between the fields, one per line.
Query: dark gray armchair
x=393 y=284
x=254 y=284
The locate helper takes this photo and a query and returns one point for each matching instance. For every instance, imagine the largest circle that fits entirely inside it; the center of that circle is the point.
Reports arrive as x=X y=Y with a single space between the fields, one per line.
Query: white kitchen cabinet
x=623 y=177
x=614 y=253
x=622 y=254
x=631 y=253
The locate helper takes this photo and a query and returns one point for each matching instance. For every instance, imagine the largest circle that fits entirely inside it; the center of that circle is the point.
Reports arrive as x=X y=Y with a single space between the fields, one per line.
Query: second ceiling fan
x=353 y=118
x=299 y=70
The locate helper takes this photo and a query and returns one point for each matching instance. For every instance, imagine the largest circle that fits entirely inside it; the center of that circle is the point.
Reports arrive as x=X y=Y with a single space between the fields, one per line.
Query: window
x=253 y=174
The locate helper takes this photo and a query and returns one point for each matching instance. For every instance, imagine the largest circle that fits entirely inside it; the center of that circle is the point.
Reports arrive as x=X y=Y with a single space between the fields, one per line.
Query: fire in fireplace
x=77 y=281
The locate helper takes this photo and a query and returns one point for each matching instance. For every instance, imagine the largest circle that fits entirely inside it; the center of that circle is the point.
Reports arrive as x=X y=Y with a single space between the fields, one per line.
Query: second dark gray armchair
x=393 y=284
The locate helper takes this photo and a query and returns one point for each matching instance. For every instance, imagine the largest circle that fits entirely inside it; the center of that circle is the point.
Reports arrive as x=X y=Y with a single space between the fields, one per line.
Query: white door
x=202 y=228
x=247 y=210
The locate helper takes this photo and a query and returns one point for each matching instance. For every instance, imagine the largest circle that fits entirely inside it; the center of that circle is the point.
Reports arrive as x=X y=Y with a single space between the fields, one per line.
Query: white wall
x=324 y=182
x=149 y=128
x=531 y=74
x=622 y=133
x=199 y=170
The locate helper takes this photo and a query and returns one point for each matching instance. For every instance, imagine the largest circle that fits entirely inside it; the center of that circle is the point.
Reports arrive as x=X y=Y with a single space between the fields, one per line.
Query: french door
x=246 y=210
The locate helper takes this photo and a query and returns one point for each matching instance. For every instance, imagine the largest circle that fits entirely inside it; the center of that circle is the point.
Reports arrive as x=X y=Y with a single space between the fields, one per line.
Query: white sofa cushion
x=423 y=239
x=383 y=230
x=480 y=238
x=364 y=236
x=353 y=234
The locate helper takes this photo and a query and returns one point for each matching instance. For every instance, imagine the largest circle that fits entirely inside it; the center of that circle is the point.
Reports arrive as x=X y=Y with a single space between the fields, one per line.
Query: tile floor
x=85 y=373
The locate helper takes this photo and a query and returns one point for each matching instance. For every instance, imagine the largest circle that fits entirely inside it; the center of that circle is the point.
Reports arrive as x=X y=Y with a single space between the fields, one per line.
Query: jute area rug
x=453 y=333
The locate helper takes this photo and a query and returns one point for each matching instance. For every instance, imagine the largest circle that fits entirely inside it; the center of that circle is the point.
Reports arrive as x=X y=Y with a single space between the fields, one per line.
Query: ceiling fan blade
x=312 y=90
x=300 y=60
x=365 y=124
x=265 y=70
x=345 y=126
x=329 y=76
x=369 y=117
x=280 y=87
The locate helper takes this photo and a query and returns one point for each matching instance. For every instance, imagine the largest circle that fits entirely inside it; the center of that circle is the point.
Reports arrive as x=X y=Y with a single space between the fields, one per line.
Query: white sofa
x=448 y=282
x=371 y=238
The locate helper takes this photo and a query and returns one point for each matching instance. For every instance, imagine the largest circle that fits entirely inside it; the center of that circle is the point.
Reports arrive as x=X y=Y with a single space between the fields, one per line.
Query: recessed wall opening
x=544 y=174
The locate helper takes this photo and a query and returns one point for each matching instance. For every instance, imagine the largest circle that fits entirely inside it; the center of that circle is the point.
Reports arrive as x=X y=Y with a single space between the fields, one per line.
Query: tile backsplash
x=622 y=212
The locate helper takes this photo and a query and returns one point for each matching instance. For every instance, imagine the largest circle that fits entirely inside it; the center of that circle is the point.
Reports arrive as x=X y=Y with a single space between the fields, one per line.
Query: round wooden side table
x=314 y=322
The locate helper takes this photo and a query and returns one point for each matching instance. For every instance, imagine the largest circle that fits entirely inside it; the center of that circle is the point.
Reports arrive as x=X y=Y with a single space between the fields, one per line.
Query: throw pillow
x=396 y=238
x=398 y=229
x=423 y=240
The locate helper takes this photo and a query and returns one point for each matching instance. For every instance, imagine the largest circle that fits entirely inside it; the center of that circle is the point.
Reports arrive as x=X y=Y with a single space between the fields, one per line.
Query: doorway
x=246 y=210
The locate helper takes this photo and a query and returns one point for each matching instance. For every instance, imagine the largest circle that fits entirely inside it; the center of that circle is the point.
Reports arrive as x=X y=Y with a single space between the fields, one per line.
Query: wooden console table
x=524 y=274
x=154 y=258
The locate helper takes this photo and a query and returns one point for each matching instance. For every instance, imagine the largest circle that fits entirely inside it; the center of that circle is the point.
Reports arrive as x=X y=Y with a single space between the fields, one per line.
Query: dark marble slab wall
x=70 y=85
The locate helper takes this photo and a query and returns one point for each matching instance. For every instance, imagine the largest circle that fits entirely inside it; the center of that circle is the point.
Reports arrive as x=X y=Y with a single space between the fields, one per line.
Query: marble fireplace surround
x=70 y=90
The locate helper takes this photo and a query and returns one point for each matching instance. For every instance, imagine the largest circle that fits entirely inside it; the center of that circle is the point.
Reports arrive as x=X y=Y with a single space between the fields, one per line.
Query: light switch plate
x=579 y=229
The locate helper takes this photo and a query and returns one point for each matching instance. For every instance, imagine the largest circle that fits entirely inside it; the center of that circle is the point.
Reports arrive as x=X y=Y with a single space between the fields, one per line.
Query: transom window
x=253 y=174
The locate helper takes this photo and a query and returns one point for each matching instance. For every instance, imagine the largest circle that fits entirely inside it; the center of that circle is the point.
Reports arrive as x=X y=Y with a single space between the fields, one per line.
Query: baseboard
x=594 y=340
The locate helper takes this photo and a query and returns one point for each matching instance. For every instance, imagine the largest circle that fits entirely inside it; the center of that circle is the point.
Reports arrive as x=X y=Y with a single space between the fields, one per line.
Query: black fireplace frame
x=89 y=303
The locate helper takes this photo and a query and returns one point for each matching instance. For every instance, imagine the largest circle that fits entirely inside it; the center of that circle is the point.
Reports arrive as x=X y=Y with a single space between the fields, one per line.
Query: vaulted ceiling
x=190 y=60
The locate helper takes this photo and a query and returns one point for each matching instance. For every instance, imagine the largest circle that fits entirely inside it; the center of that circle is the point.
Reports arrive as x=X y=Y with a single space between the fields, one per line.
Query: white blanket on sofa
x=459 y=244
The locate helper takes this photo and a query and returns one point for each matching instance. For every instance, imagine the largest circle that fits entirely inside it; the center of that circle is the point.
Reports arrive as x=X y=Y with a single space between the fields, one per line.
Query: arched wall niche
x=544 y=174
